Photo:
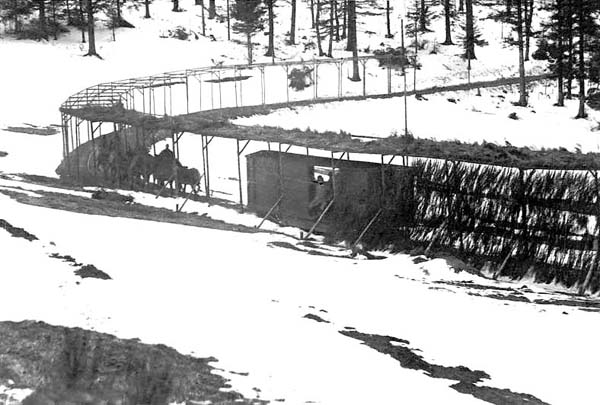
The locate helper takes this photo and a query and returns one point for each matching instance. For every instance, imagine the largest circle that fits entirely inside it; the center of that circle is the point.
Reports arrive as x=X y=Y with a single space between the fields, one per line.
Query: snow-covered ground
x=233 y=296
x=242 y=299
x=462 y=115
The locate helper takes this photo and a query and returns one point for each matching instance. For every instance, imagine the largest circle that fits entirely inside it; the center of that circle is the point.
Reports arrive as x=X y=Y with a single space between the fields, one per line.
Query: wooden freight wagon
x=304 y=185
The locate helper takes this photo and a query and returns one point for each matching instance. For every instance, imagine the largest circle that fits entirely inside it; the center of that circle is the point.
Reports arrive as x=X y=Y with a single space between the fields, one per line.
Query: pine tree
x=469 y=32
x=420 y=12
x=212 y=9
x=554 y=46
x=147 y=8
x=293 y=24
x=522 y=88
x=352 y=39
x=387 y=19
x=90 y=8
x=588 y=30
x=271 y=49
x=448 y=23
x=249 y=19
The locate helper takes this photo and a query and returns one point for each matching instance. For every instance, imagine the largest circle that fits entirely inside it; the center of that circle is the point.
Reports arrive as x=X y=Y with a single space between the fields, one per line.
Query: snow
x=238 y=298
x=246 y=309
x=471 y=118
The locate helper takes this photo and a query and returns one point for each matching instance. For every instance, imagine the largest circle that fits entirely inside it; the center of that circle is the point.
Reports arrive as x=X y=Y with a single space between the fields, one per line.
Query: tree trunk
x=119 y=12
x=312 y=13
x=54 y=23
x=249 y=46
x=581 y=73
x=271 y=48
x=293 y=24
x=91 y=31
x=508 y=8
x=203 y=18
x=344 y=19
x=352 y=29
x=528 y=18
x=461 y=6
x=318 y=27
x=228 y=21
x=337 y=21
x=351 y=43
x=147 y=5
x=448 y=40
x=42 y=18
x=330 y=48
x=387 y=19
x=422 y=17
x=212 y=9
x=559 y=61
x=82 y=21
x=69 y=18
x=570 y=61
x=522 y=89
x=175 y=5
x=470 y=32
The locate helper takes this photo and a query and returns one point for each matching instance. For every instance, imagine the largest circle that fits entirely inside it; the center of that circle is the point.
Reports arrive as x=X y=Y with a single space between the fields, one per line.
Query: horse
x=188 y=176
x=141 y=166
x=165 y=170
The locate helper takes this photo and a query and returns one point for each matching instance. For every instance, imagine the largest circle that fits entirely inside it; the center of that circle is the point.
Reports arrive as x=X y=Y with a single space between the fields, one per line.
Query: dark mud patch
x=419 y=260
x=3 y=154
x=77 y=366
x=314 y=252
x=472 y=285
x=315 y=318
x=65 y=258
x=466 y=378
x=285 y=245
x=516 y=297
x=582 y=304
x=90 y=271
x=33 y=130
x=109 y=208
x=17 y=232
x=111 y=196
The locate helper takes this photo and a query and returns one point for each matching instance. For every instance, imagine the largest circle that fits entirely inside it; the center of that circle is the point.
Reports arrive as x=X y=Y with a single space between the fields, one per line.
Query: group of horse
x=137 y=168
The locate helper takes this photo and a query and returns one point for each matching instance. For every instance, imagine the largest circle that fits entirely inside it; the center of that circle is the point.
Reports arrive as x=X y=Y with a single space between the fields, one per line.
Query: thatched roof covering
x=216 y=123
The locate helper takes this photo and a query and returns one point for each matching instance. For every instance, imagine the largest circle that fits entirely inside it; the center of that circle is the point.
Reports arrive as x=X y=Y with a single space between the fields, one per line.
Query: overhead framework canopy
x=216 y=123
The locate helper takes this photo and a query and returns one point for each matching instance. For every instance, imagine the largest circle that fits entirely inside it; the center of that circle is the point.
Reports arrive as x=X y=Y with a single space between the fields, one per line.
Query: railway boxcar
x=306 y=185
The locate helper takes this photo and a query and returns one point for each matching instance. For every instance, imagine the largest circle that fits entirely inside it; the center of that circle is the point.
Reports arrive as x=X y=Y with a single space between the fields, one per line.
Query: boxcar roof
x=313 y=160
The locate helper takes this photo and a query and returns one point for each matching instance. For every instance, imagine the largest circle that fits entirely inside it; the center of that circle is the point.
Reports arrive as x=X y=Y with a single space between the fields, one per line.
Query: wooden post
x=187 y=95
x=364 y=65
x=235 y=88
x=220 y=91
x=237 y=141
x=262 y=85
x=280 y=179
x=366 y=228
x=318 y=221
x=270 y=211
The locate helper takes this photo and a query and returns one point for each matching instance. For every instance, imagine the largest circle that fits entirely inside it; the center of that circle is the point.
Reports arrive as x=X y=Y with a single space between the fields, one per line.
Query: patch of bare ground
x=111 y=208
x=517 y=294
x=466 y=378
x=316 y=318
x=73 y=366
x=16 y=232
x=3 y=154
x=583 y=304
x=90 y=271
